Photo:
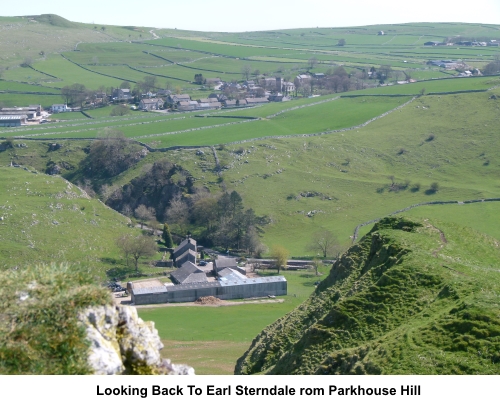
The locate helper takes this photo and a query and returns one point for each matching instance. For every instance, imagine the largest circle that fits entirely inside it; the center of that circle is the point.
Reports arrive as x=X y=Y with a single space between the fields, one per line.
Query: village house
x=278 y=98
x=59 y=108
x=256 y=100
x=121 y=94
x=151 y=104
x=234 y=103
x=303 y=79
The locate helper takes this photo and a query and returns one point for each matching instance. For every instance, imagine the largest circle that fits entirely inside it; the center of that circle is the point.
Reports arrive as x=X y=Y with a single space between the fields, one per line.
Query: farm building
x=188 y=273
x=223 y=289
x=30 y=112
x=12 y=120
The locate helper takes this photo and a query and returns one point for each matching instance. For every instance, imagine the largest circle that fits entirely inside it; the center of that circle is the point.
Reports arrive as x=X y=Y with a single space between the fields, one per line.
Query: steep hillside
x=47 y=219
x=410 y=298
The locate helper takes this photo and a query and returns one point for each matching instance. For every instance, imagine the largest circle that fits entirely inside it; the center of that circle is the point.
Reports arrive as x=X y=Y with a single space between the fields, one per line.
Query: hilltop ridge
x=410 y=298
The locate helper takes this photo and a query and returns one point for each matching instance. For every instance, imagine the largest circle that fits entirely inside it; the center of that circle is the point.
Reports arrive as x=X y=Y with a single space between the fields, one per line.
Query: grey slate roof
x=186 y=244
x=221 y=263
x=182 y=274
x=149 y=290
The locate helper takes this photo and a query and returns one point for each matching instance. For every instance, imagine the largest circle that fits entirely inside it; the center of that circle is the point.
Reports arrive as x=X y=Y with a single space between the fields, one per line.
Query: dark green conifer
x=167 y=237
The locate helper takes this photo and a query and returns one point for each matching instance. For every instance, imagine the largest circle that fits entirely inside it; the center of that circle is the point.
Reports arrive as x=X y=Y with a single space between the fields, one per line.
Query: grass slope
x=410 y=298
x=47 y=219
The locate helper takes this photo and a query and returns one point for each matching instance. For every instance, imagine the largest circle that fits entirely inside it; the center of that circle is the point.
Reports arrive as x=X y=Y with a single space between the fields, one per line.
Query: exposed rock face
x=122 y=343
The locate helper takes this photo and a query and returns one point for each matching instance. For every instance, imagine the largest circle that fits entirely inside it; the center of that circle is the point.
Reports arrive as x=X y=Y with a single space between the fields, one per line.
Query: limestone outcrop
x=122 y=343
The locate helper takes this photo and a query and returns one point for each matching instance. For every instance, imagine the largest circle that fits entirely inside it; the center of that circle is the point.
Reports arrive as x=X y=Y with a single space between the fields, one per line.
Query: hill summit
x=410 y=298
x=54 y=19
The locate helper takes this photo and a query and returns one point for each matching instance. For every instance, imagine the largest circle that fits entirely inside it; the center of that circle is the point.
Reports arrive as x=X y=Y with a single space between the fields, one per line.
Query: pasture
x=211 y=339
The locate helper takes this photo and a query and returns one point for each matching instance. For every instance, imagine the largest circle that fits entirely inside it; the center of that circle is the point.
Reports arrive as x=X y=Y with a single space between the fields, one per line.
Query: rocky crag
x=122 y=343
x=410 y=298
x=57 y=320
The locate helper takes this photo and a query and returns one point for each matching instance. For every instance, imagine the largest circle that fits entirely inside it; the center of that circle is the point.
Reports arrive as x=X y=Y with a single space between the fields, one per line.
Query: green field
x=204 y=335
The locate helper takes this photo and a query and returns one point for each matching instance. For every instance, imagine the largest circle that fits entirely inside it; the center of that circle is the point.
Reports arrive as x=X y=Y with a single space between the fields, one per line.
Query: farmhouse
x=58 y=108
x=185 y=252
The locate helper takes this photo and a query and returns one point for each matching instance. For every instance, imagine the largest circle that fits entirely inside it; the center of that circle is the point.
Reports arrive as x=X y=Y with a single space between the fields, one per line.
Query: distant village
x=232 y=95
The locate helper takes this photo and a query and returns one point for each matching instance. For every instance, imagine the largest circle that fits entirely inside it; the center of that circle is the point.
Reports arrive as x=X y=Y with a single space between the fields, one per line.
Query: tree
x=324 y=242
x=383 y=72
x=280 y=255
x=245 y=71
x=119 y=111
x=177 y=212
x=136 y=247
x=167 y=237
x=492 y=68
x=407 y=74
x=125 y=85
x=199 y=79
x=341 y=42
x=434 y=187
x=260 y=92
x=74 y=94
x=315 y=264
x=313 y=62
x=147 y=84
x=28 y=61
x=144 y=214
x=111 y=154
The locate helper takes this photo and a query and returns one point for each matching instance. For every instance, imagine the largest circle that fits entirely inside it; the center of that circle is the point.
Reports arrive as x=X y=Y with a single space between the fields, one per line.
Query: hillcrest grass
x=39 y=329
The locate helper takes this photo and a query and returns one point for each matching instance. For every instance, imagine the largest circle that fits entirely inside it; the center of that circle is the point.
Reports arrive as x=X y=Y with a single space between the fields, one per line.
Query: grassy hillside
x=356 y=175
x=445 y=139
x=413 y=297
x=47 y=219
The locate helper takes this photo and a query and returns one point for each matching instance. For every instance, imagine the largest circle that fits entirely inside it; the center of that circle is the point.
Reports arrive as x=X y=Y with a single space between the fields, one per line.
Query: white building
x=58 y=108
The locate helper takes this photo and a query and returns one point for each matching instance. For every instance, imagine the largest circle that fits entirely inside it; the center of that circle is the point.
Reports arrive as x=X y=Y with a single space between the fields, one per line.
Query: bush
x=119 y=111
